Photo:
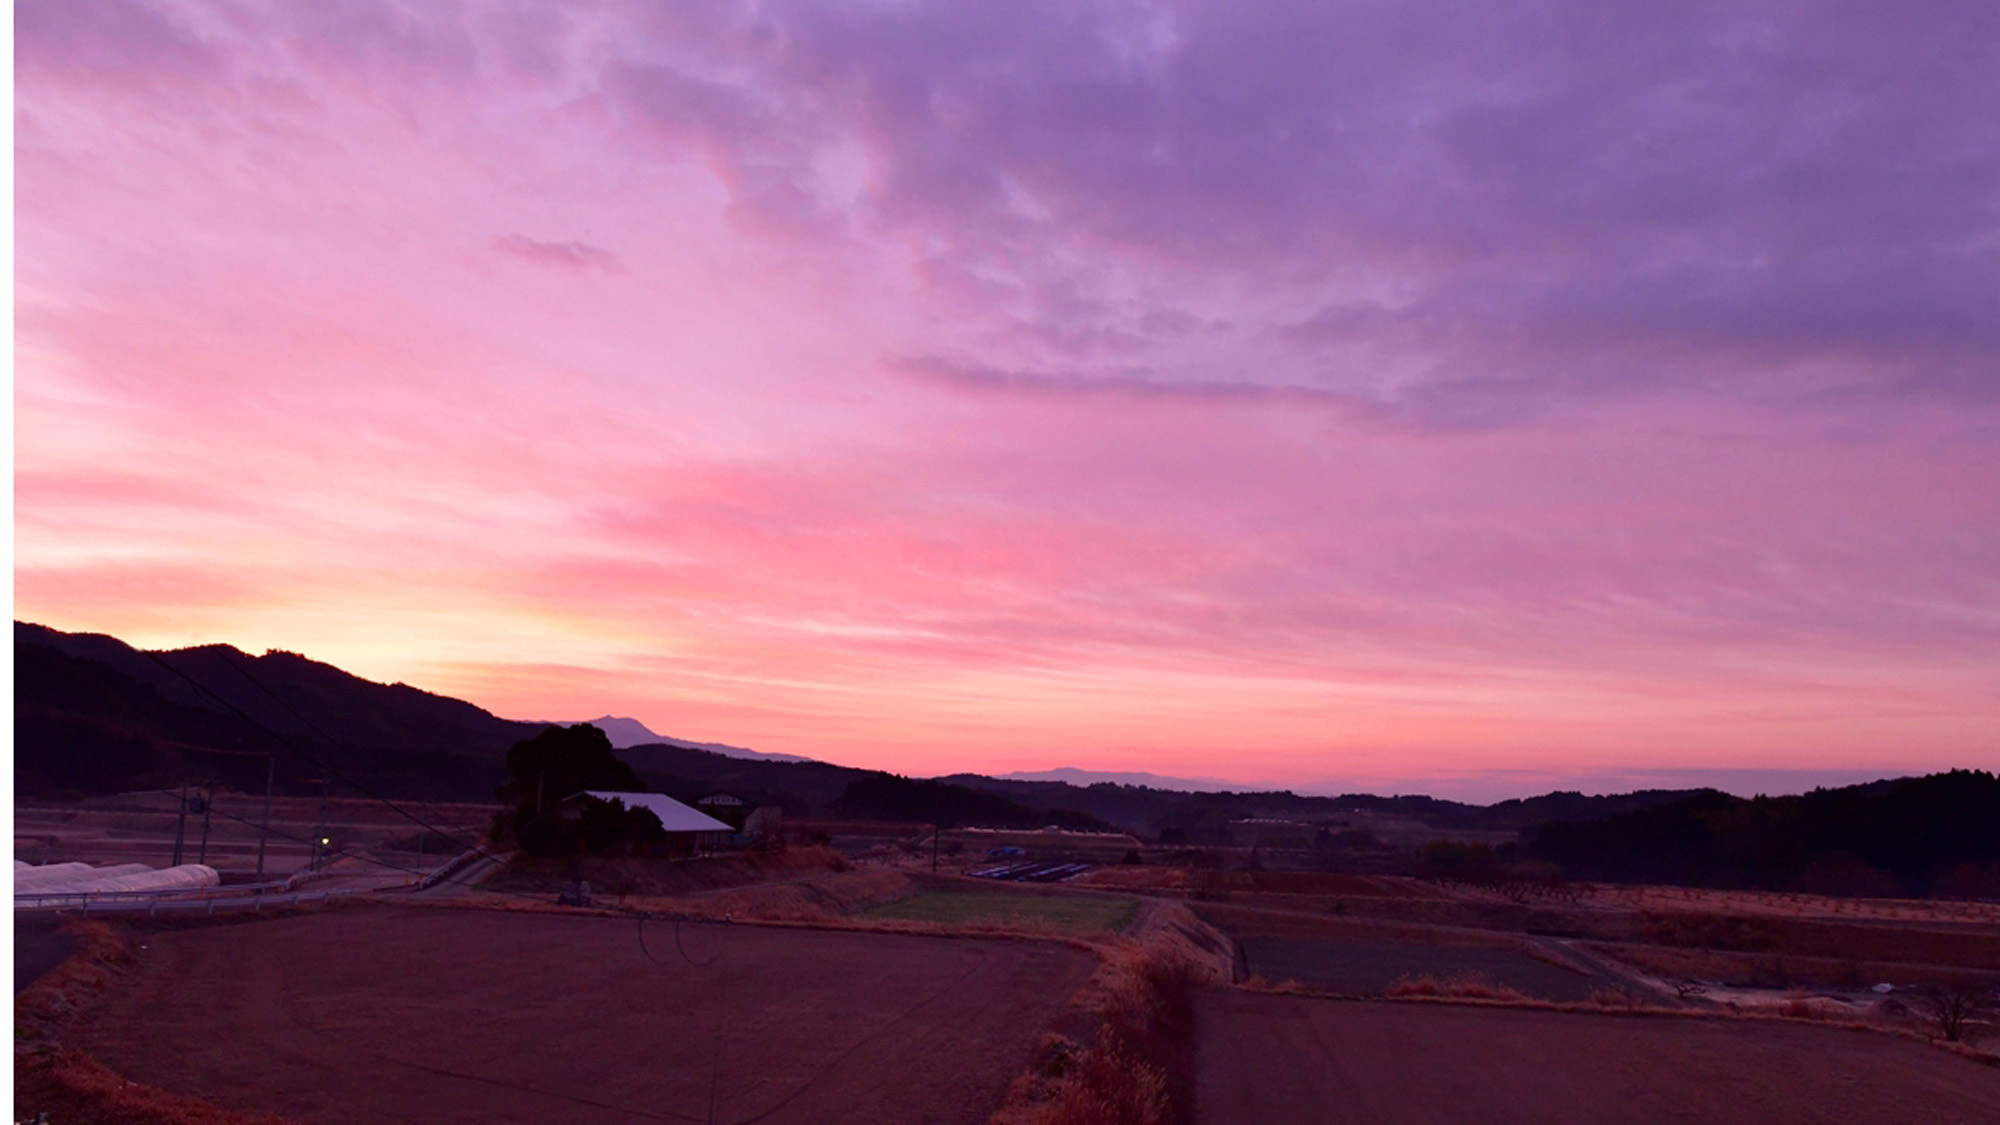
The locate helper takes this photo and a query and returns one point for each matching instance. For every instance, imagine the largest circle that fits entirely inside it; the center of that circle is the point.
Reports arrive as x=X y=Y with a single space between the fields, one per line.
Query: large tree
x=558 y=763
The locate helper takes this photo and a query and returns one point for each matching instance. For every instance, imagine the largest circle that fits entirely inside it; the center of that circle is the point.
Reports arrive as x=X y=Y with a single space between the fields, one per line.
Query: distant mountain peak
x=623 y=731
x=626 y=733
x=1075 y=776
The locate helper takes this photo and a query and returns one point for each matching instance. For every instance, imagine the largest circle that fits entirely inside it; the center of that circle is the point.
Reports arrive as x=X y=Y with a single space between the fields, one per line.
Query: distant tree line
x=1914 y=836
x=886 y=796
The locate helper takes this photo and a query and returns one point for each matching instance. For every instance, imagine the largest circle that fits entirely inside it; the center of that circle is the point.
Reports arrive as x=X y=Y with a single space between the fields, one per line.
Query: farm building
x=688 y=830
x=747 y=819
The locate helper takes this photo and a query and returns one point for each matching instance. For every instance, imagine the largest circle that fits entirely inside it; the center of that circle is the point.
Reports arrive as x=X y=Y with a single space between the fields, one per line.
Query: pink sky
x=1413 y=394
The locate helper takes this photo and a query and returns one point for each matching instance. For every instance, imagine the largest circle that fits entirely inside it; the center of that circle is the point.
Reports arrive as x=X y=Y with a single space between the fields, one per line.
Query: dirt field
x=657 y=875
x=1069 y=914
x=437 y=1015
x=1774 y=904
x=1314 y=883
x=1370 y=968
x=1353 y=1061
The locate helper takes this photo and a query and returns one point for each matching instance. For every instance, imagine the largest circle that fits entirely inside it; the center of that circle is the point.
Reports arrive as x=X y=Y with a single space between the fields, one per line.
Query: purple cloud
x=567 y=254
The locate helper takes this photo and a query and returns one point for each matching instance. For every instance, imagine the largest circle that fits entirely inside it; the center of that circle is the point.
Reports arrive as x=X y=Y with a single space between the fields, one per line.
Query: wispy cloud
x=569 y=254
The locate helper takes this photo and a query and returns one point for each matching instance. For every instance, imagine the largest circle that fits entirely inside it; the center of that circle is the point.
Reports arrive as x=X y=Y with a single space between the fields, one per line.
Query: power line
x=316 y=763
x=290 y=710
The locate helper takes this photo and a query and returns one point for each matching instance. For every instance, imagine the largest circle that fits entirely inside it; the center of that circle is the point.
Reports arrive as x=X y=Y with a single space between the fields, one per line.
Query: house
x=725 y=807
x=688 y=830
x=751 y=822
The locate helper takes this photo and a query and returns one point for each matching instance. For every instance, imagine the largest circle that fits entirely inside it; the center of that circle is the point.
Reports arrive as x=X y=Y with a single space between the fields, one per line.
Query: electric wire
x=323 y=767
x=310 y=759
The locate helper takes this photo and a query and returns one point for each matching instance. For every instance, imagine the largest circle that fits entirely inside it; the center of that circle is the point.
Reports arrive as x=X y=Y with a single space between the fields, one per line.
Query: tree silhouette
x=558 y=763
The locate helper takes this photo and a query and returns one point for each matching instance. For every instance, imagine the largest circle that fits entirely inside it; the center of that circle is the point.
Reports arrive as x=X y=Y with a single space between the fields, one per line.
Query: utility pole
x=180 y=824
x=937 y=834
x=207 y=813
x=322 y=840
x=264 y=835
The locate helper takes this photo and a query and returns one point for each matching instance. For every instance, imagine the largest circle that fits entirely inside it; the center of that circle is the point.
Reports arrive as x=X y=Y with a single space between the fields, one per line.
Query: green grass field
x=1056 y=913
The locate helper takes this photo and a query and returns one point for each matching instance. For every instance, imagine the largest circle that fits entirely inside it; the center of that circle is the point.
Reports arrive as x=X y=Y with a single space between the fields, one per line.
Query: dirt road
x=442 y=1015
x=1274 y=1060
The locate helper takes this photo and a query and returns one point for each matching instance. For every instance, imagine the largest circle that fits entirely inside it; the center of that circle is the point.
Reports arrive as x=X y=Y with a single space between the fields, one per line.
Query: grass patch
x=1057 y=913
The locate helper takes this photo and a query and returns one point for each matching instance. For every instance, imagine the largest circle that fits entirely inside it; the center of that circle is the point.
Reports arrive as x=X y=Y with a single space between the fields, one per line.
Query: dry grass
x=1465 y=986
x=1137 y=1069
x=42 y=1009
x=1140 y=997
x=1616 y=998
x=76 y=1089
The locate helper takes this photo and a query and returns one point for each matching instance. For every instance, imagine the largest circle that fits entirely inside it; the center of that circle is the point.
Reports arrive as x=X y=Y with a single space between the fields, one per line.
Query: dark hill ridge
x=85 y=728
x=1913 y=835
x=295 y=696
x=96 y=716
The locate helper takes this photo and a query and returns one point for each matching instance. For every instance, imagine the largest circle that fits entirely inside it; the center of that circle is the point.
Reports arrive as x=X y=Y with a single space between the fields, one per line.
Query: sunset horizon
x=1319 y=396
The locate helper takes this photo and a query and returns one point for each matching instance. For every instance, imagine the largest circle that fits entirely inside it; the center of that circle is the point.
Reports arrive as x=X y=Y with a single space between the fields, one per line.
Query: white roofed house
x=688 y=830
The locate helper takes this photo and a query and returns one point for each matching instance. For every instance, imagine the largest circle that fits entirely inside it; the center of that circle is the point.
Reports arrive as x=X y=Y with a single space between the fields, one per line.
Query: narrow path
x=1623 y=978
x=464 y=880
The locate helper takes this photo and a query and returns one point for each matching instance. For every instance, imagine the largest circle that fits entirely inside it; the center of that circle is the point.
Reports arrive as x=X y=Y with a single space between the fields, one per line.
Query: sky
x=1475 y=398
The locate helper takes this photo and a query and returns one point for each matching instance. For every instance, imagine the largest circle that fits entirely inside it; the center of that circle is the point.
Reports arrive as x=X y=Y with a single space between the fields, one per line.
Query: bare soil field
x=611 y=876
x=1372 y=968
x=1315 y=883
x=1784 y=905
x=438 y=1015
x=1387 y=1062
x=1081 y=915
x=1134 y=877
x=1763 y=970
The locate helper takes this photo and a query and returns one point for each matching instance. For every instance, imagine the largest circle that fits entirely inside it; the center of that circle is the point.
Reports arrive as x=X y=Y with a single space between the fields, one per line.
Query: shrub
x=1955 y=1008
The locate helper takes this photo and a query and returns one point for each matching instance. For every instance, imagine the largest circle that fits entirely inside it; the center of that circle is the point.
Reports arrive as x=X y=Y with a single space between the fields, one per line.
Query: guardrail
x=211 y=905
x=254 y=896
x=221 y=890
x=208 y=904
x=451 y=867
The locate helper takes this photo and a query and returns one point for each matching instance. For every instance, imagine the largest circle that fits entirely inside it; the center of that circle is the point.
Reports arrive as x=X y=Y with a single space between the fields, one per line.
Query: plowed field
x=451 y=1016
x=1275 y=1060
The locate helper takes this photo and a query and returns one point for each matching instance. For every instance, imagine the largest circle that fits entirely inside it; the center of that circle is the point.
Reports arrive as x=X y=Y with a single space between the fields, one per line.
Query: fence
x=150 y=903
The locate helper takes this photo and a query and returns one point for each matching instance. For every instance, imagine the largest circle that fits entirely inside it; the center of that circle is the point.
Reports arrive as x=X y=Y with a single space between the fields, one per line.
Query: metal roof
x=674 y=816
